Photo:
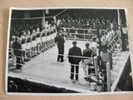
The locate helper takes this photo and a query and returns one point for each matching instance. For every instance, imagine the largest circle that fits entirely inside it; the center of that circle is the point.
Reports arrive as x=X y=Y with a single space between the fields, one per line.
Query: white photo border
x=62 y=94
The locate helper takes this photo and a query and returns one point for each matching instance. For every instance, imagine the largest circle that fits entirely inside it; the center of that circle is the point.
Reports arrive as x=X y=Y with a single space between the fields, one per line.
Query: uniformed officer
x=59 y=39
x=17 y=51
x=74 y=57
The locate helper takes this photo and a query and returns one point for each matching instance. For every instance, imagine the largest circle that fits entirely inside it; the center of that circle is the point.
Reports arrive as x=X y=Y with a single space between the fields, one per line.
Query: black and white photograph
x=68 y=50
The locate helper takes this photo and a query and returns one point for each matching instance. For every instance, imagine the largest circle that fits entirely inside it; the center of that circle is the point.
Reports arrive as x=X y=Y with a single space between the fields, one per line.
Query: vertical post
x=119 y=21
x=55 y=21
x=95 y=65
x=99 y=39
x=108 y=73
x=43 y=20
x=120 y=30
x=84 y=34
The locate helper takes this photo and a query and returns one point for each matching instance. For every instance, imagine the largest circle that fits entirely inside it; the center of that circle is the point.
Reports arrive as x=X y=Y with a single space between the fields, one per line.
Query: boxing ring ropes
x=48 y=42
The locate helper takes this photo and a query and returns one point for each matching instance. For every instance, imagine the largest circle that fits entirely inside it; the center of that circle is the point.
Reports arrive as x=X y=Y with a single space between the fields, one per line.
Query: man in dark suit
x=59 y=39
x=88 y=61
x=17 y=50
x=74 y=57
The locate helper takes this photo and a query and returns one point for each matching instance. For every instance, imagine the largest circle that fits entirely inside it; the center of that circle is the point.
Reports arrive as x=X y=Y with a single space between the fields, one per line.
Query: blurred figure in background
x=59 y=39
x=17 y=51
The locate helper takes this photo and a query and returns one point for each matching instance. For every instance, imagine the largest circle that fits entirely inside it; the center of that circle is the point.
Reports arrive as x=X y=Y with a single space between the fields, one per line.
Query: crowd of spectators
x=70 y=21
x=17 y=26
x=66 y=21
x=85 y=21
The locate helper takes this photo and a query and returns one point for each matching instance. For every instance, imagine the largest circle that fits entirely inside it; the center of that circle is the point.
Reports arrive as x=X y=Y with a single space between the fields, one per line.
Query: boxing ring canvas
x=32 y=65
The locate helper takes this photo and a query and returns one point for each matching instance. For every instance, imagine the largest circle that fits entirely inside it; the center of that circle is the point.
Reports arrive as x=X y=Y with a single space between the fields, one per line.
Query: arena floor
x=45 y=69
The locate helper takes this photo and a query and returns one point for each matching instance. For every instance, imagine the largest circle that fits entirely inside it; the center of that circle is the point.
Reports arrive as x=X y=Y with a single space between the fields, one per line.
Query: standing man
x=59 y=39
x=17 y=51
x=74 y=57
x=87 y=60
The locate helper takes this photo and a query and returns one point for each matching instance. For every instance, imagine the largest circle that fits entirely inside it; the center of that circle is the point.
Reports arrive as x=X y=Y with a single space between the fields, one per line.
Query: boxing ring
x=46 y=70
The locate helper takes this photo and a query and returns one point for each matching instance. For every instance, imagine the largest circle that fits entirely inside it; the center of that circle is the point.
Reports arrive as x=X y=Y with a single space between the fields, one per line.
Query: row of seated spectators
x=108 y=26
x=67 y=21
x=85 y=22
x=23 y=25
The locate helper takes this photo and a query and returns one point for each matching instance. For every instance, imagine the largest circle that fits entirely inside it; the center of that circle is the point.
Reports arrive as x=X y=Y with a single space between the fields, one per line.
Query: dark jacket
x=60 y=41
x=17 y=48
x=74 y=51
x=87 y=53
